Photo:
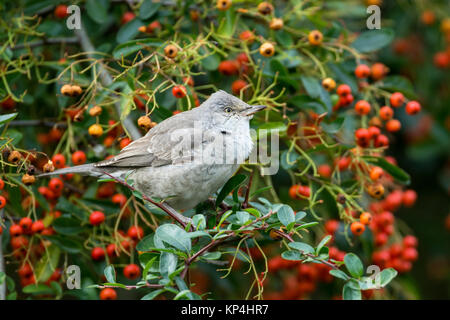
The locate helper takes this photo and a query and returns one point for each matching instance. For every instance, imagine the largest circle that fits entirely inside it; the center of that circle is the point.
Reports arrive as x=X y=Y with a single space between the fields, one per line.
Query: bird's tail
x=84 y=169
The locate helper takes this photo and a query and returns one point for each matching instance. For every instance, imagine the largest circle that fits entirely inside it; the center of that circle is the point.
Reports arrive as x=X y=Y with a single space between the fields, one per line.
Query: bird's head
x=228 y=110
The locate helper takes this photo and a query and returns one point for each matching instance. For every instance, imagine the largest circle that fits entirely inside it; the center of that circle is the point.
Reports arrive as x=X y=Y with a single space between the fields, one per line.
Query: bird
x=186 y=158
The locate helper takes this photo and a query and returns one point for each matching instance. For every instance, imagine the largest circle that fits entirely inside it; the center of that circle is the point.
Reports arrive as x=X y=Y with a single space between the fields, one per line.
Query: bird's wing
x=161 y=146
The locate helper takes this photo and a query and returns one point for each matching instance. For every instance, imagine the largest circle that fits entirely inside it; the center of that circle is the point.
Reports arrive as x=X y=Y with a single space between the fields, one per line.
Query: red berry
x=362 y=137
x=229 y=67
x=2 y=184
x=78 y=157
x=132 y=271
x=98 y=254
x=237 y=86
x=119 y=199
x=393 y=125
x=324 y=170
x=61 y=11
x=331 y=226
x=2 y=202
x=96 y=218
x=56 y=185
x=381 y=239
x=357 y=228
x=38 y=226
x=362 y=71
x=135 y=232
x=343 y=90
x=127 y=17
x=59 y=160
x=26 y=223
x=412 y=107
x=381 y=141
x=410 y=254
x=108 y=294
x=410 y=241
x=409 y=198
x=179 y=91
x=111 y=250
x=15 y=230
x=373 y=132
x=397 y=99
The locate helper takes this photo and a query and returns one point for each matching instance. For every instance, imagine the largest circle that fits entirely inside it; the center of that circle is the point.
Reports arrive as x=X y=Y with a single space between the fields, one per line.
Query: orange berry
x=171 y=51
x=28 y=179
x=328 y=84
x=357 y=228
x=428 y=17
x=378 y=71
x=315 y=37
x=267 y=49
x=365 y=218
x=223 y=4
x=362 y=107
x=228 y=67
x=95 y=111
x=265 y=8
x=386 y=113
x=276 y=24
x=95 y=130
x=376 y=173
x=362 y=71
x=324 y=170
x=393 y=125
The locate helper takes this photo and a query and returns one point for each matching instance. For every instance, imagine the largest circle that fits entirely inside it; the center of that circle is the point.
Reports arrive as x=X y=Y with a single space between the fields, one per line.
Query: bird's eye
x=228 y=109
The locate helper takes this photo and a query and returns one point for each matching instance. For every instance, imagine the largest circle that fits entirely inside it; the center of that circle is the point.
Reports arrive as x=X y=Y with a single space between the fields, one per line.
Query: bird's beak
x=252 y=110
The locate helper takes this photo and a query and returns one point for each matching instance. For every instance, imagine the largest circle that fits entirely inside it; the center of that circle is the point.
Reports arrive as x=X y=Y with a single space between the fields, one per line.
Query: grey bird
x=185 y=158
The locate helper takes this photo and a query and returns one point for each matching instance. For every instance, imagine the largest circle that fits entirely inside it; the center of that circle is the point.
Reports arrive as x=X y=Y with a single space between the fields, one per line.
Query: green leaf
x=66 y=244
x=322 y=243
x=199 y=221
x=147 y=267
x=292 y=255
x=354 y=265
x=312 y=86
x=286 y=215
x=288 y=159
x=387 y=275
x=110 y=273
x=37 y=289
x=400 y=84
x=307 y=225
x=148 y=9
x=127 y=48
x=349 y=292
x=227 y=24
x=47 y=264
x=167 y=264
x=4 y=118
x=396 y=172
x=242 y=217
x=152 y=295
x=299 y=216
x=339 y=274
x=67 y=226
x=129 y=30
x=301 y=246
x=97 y=10
x=231 y=184
x=174 y=236
x=373 y=40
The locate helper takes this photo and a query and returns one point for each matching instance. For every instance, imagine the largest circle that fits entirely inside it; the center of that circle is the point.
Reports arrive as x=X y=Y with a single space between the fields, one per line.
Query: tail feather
x=84 y=169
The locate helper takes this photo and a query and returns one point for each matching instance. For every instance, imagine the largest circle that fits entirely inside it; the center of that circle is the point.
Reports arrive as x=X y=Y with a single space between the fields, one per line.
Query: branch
x=2 y=263
x=106 y=80
x=184 y=221
x=33 y=44
x=26 y=123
